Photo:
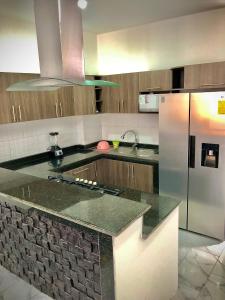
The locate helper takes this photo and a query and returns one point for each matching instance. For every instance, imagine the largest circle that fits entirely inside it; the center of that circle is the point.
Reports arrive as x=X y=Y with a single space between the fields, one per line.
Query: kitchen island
x=74 y=243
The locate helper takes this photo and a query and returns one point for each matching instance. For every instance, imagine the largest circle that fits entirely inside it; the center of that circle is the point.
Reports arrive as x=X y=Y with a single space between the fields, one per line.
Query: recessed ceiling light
x=82 y=4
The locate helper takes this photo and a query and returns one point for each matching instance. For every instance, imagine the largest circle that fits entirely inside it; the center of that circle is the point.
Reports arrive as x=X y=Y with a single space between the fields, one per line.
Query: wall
x=175 y=42
x=18 y=42
x=148 y=263
x=24 y=139
x=146 y=126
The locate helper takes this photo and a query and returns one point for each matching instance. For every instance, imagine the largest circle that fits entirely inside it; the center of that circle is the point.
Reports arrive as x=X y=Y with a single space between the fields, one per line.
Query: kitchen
x=78 y=117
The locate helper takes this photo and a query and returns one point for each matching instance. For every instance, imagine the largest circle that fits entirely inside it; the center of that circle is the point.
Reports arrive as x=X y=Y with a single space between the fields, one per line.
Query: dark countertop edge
x=44 y=157
x=151 y=230
x=41 y=157
x=100 y=155
x=25 y=205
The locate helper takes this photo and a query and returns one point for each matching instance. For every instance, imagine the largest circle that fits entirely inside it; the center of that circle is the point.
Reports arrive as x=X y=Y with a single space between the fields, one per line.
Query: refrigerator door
x=206 y=198
x=173 y=149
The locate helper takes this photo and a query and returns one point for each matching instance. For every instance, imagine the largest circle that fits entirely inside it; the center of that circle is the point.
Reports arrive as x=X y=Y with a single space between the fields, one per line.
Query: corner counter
x=73 y=243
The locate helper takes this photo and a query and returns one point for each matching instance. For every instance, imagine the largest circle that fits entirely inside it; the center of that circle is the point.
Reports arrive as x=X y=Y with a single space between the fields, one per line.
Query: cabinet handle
x=156 y=87
x=94 y=107
x=20 y=114
x=56 y=109
x=123 y=105
x=77 y=172
x=133 y=171
x=61 y=111
x=212 y=84
x=29 y=191
x=96 y=173
x=13 y=112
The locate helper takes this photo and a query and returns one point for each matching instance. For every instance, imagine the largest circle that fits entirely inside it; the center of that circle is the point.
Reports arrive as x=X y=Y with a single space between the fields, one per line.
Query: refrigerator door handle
x=192 y=151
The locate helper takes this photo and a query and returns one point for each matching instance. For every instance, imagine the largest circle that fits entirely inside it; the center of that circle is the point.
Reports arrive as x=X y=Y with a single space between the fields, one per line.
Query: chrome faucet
x=134 y=146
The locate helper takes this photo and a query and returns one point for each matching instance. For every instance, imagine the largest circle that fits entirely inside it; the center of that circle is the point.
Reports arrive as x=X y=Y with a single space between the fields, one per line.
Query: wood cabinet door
x=84 y=100
x=212 y=75
x=112 y=172
x=101 y=171
x=65 y=101
x=24 y=104
x=111 y=96
x=144 y=81
x=48 y=104
x=88 y=172
x=141 y=177
x=161 y=80
x=192 y=77
x=205 y=76
x=129 y=93
x=155 y=80
x=7 y=112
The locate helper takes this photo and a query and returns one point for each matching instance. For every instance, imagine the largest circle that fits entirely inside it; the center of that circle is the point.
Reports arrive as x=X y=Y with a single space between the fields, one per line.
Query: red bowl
x=103 y=145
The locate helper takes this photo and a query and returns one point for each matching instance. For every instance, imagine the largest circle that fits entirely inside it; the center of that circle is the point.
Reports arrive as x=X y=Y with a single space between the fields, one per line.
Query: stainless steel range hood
x=60 y=47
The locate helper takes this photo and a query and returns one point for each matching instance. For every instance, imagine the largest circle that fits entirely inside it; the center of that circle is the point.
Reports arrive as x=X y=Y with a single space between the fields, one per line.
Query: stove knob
x=85 y=181
x=77 y=179
x=94 y=183
x=81 y=180
x=90 y=182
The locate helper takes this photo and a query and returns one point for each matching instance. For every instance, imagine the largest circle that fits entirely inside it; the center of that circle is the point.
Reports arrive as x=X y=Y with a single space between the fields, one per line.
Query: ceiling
x=104 y=16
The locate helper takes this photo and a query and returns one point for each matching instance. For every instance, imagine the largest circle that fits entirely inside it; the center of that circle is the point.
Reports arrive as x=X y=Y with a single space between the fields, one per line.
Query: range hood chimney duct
x=60 y=39
x=60 y=47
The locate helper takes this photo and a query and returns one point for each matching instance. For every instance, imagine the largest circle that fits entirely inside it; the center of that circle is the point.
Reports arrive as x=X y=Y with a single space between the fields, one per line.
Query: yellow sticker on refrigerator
x=221 y=107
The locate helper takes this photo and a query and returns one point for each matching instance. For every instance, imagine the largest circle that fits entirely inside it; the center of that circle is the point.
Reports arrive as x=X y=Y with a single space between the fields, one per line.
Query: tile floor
x=201 y=273
x=201 y=268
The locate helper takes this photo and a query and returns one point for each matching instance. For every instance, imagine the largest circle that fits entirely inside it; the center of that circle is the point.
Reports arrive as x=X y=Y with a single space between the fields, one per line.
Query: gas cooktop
x=88 y=184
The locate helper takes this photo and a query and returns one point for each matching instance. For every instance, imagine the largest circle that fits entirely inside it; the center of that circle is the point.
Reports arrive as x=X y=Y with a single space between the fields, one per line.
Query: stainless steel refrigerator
x=192 y=158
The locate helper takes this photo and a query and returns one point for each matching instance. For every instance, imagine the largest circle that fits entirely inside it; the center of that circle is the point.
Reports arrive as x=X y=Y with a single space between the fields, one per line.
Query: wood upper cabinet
x=56 y=104
x=48 y=104
x=17 y=106
x=155 y=80
x=7 y=115
x=65 y=101
x=125 y=174
x=88 y=172
x=123 y=99
x=111 y=96
x=204 y=76
x=129 y=93
x=84 y=99
x=26 y=106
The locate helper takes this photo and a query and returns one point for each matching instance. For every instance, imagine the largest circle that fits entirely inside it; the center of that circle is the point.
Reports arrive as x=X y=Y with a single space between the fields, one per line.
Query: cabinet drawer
x=88 y=172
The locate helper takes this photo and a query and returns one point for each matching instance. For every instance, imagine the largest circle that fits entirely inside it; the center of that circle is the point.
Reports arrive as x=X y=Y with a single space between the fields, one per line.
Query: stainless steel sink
x=138 y=153
x=144 y=152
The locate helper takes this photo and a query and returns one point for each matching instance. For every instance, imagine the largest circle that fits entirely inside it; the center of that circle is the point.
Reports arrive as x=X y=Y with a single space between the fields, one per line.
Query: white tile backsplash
x=24 y=139
x=146 y=126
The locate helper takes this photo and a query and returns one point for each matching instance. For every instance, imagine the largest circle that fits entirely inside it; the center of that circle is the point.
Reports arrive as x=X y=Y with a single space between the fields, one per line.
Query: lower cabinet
x=125 y=174
x=88 y=172
x=117 y=173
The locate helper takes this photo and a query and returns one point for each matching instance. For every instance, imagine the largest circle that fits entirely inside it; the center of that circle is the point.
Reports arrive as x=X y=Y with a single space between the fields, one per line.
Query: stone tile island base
x=61 y=260
x=71 y=262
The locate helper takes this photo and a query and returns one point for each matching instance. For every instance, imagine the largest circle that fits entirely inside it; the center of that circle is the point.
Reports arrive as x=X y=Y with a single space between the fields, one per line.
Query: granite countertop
x=161 y=207
x=104 y=213
x=44 y=169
